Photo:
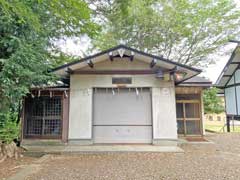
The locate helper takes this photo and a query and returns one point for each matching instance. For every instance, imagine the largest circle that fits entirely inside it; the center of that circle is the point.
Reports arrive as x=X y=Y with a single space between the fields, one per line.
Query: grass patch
x=219 y=128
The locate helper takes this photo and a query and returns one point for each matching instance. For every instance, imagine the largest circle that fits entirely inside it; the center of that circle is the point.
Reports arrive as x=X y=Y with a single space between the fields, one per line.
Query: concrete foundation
x=165 y=142
x=73 y=149
x=41 y=142
x=80 y=142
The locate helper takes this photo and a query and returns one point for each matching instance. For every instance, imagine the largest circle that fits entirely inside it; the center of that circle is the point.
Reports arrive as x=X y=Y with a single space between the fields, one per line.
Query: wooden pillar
x=65 y=117
x=22 y=120
x=228 y=124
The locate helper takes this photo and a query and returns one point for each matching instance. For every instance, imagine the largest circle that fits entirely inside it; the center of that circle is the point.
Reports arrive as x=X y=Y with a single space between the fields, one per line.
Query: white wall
x=232 y=95
x=163 y=104
x=80 y=116
x=202 y=114
x=164 y=113
x=238 y=99
x=230 y=100
x=81 y=98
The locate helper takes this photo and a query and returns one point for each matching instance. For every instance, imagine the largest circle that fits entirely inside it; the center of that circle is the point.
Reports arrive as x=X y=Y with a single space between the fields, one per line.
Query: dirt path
x=12 y=166
x=211 y=161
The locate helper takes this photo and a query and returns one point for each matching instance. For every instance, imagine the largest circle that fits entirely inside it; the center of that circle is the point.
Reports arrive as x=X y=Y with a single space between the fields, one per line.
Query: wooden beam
x=235 y=63
x=65 y=118
x=132 y=56
x=49 y=89
x=69 y=70
x=228 y=124
x=227 y=75
x=22 y=122
x=173 y=70
x=106 y=72
x=90 y=63
x=110 y=56
x=153 y=63
x=234 y=41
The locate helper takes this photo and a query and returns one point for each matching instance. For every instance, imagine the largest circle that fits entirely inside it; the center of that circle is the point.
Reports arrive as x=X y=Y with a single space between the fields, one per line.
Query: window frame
x=42 y=135
x=187 y=119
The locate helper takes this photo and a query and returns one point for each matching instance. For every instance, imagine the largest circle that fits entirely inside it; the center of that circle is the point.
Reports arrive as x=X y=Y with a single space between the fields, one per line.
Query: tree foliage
x=28 y=30
x=9 y=128
x=181 y=30
x=212 y=103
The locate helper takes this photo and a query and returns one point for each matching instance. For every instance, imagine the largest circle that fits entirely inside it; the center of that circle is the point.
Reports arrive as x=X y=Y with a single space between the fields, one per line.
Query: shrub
x=9 y=128
x=212 y=103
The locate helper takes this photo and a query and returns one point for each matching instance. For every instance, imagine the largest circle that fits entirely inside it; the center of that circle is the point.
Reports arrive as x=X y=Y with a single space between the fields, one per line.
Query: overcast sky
x=213 y=71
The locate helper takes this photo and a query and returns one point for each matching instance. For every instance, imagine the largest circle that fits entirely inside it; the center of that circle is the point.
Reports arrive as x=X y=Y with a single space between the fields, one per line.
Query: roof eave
x=226 y=66
x=179 y=82
x=130 y=49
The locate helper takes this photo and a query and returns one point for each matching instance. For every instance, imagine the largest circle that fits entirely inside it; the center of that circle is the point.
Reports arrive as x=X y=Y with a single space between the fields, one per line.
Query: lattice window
x=34 y=126
x=188 y=117
x=53 y=107
x=45 y=116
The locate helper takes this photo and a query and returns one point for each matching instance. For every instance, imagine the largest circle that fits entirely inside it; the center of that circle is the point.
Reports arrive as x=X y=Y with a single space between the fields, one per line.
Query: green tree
x=181 y=30
x=28 y=32
x=212 y=103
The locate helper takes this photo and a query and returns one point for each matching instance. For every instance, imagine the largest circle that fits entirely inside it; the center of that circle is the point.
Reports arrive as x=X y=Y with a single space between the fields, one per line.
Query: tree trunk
x=8 y=151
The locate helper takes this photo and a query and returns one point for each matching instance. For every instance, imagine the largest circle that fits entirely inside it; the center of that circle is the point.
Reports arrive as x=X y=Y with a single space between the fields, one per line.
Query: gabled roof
x=161 y=61
x=229 y=69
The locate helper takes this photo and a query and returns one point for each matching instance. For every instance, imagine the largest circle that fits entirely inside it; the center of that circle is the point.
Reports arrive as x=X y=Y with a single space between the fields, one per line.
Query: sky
x=213 y=71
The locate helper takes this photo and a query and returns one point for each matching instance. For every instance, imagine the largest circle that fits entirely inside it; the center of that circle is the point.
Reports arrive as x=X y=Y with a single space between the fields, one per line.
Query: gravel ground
x=211 y=161
x=11 y=166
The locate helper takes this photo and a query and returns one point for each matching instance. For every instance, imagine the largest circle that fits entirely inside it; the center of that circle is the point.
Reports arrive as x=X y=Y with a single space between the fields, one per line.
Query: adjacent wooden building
x=229 y=81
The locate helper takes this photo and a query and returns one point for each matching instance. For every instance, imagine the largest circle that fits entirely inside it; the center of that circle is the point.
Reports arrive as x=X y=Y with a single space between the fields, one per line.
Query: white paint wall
x=230 y=100
x=164 y=113
x=80 y=116
x=202 y=114
x=81 y=98
x=232 y=95
x=163 y=104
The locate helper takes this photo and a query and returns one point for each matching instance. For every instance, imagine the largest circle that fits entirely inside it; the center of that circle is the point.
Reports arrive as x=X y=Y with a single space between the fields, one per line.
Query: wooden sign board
x=121 y=80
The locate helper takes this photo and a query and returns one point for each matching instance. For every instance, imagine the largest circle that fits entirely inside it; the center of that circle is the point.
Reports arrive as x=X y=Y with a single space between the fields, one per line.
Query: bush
x=9 y=128
x=212 y=103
